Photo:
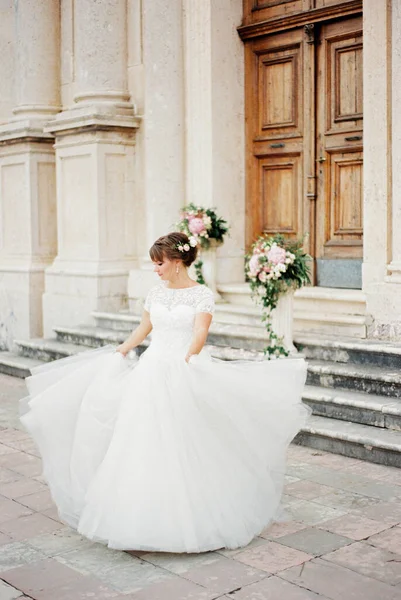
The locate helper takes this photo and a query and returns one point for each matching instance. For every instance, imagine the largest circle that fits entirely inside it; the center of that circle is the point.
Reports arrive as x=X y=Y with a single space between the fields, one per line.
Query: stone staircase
x=353 y=385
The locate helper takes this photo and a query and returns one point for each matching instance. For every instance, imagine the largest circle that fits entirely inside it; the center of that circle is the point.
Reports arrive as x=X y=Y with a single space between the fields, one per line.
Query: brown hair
x=166 y=246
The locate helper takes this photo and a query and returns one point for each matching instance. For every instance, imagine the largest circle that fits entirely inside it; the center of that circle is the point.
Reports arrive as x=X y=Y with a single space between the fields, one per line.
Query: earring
x=177 y=269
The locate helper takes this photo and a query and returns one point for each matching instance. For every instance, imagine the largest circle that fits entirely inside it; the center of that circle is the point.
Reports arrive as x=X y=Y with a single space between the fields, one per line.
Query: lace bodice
x=172 y=314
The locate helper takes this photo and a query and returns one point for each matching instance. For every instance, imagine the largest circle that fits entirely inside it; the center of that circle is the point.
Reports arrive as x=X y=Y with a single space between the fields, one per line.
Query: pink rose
x=196 y=226
x=262 y=277
x=276 y=255
x=254 y=266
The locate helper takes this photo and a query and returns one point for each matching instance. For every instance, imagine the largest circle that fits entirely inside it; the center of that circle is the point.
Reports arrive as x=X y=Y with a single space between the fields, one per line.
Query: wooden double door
x=304 y=143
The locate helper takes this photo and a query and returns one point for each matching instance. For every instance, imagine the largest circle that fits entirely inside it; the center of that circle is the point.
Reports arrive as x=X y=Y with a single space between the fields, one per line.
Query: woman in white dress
x=177 y=451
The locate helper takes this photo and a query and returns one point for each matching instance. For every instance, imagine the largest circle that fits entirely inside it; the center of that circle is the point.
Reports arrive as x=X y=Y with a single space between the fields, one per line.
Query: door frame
x=251 y=33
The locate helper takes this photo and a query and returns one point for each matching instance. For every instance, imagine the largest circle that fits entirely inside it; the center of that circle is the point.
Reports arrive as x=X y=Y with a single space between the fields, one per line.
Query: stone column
x=382 y=166
x=27 y=169
x=394 y=268
x=95 y=171
x=160 y=148
x=214 y=102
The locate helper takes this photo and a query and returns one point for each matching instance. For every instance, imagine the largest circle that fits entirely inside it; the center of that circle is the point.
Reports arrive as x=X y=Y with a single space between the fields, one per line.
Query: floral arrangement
x=202 y=225
x=275 y=265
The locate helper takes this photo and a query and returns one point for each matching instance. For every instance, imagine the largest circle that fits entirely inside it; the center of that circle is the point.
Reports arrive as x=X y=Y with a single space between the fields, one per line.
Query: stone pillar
x=394 y=268
x=160 y=146
x=7 y=62
x=214 y=101
x=27 y=172
x=95 y=171
x=382 y=166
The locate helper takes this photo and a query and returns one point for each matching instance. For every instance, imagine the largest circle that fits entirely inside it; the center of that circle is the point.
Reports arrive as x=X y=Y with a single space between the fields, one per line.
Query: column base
x=21 y=290
x=383 y=309
x=73 y=293
x=96 y=199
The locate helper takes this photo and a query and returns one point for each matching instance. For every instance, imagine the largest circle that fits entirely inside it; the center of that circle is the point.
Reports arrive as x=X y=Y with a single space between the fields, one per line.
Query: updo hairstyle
x=166 y=246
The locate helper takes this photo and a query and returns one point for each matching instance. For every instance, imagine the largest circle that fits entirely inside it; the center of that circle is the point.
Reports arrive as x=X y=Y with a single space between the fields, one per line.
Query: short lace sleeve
x=206 y=302
x=148 y=300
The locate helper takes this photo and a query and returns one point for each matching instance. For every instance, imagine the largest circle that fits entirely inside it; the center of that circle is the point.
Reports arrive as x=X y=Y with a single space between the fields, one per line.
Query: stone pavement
x=341 y=539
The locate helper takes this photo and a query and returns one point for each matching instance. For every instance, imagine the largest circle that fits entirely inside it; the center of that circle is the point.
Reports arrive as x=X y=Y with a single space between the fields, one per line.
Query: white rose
x=192 y=241
x=180 y=248
x=186 y=247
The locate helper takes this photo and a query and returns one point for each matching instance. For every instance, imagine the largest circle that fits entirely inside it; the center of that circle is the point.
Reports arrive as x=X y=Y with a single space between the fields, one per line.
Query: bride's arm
x=138 y=335
x=199 y=334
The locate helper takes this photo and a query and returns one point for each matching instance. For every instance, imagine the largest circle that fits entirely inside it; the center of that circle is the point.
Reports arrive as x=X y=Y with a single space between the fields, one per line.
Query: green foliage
x=198 y=271
x=274 y=284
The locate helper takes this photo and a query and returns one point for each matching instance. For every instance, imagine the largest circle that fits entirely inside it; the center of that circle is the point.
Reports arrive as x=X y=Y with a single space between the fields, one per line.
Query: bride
x=176 y=451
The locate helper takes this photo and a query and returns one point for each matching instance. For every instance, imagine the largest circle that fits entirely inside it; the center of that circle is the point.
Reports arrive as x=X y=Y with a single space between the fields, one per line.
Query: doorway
x=305 y=143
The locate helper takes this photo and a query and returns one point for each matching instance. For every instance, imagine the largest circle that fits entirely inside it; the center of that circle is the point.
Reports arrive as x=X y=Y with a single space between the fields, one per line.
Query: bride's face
x=166 y=269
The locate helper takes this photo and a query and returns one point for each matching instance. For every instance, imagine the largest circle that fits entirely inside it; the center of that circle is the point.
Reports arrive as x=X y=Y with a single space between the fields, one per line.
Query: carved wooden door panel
x=339 y=199
x=275 y=134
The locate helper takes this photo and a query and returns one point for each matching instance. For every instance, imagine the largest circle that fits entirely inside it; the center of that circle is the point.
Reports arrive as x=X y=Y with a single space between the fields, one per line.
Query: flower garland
x=274 y=266
x=202 y=225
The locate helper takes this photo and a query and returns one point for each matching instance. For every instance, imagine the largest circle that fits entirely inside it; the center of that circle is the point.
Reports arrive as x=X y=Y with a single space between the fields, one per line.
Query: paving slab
x=347 y=501
x=8 y=592
x=354 y=526
x=368 y=560
x=389 y=540
x=272 y=557
x=273 y=588
x=225 y=576
x=338 y=583
x=23 y=527
x=316 y=542
x=277 y=530
x=46 y=573
x=312 y=513
x=386 y=512
x=174 y=589
x=180 y=563
x=17 y=554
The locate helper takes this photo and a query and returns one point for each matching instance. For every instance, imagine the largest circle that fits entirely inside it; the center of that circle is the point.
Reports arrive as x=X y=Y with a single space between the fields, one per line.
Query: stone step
x=16 y=365
x=331 y=300
x=345 y=350
x=317 y=310
x=365 y=442
x=366 y=409
x=244 y=337
x=357 y=378
x=225 y=314
x=70 y=341
x=46 y=350
x=120 y=321
x=86 y=335
x=326 y=300
x=310 y=321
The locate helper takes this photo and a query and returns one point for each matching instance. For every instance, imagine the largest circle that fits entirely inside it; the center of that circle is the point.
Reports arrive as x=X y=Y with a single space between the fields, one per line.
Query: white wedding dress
x=160 y=455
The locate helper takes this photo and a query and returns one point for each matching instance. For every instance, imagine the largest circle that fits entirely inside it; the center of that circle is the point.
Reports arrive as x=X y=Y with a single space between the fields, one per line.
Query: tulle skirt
x=161 y=455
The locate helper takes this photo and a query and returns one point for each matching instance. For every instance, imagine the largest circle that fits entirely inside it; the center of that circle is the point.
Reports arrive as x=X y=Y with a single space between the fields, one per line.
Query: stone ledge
x=16 y=365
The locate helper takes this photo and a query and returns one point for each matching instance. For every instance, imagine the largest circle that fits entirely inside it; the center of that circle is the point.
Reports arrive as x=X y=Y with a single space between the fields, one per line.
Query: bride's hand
x=188 y=357
x=122 y=349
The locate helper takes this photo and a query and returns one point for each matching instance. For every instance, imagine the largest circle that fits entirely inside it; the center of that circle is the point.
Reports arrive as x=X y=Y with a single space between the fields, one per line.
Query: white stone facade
x=115 y=113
